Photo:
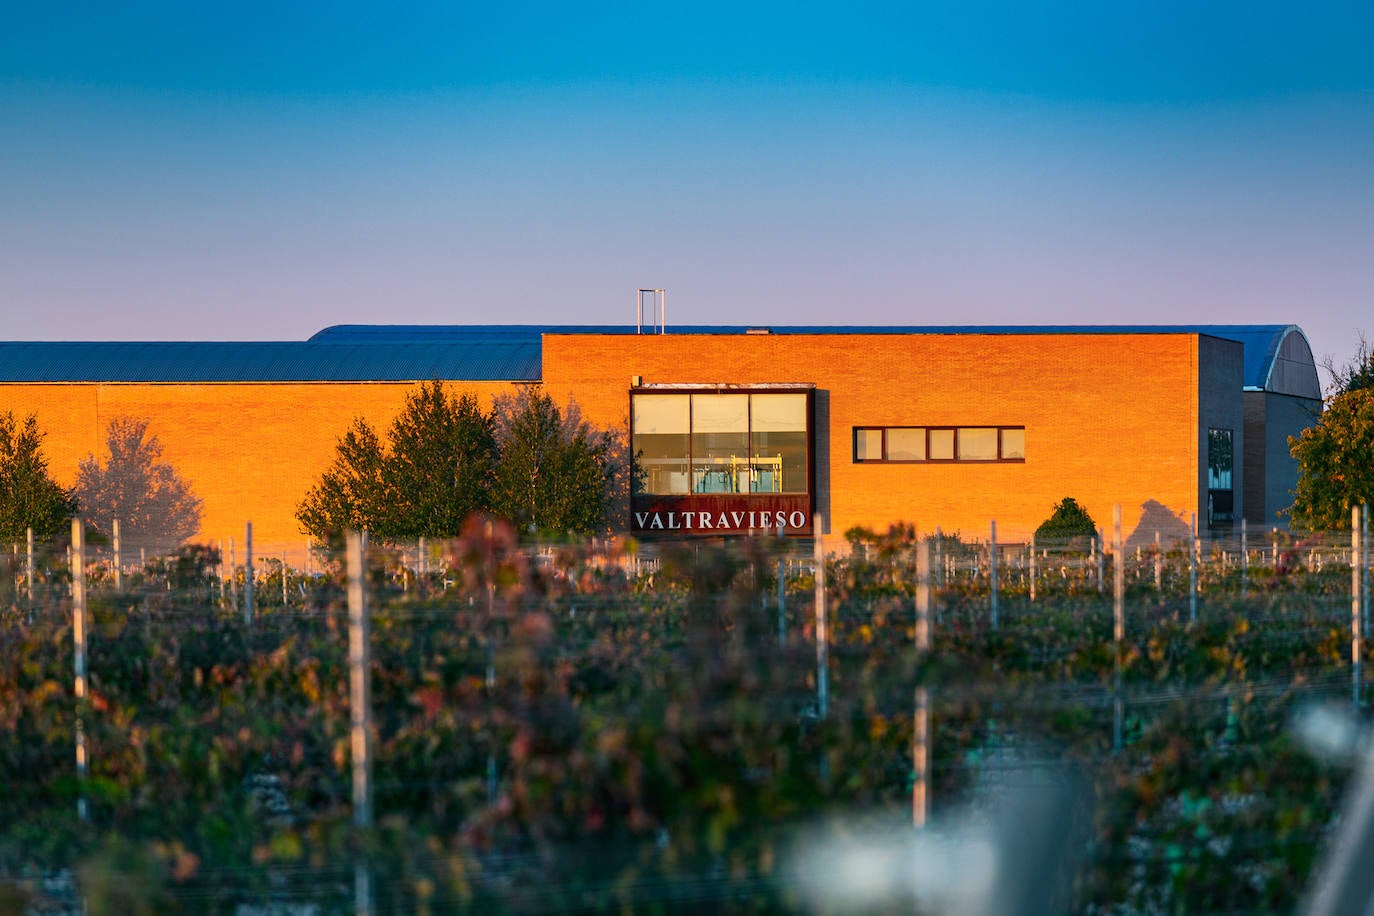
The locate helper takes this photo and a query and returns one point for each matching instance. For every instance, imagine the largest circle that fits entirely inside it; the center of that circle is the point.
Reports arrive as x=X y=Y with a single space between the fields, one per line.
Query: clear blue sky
x=260 y=170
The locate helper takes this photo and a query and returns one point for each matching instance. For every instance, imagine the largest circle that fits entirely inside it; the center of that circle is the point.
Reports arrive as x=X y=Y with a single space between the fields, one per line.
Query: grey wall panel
x=1284 y=416
x=1221 y=365
x=1256 y=450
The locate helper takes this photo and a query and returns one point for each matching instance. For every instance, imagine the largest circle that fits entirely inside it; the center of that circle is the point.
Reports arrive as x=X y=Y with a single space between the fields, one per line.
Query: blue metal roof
x=347 y=353
x=299 y=361
x=1260 y=342
x=474 y=332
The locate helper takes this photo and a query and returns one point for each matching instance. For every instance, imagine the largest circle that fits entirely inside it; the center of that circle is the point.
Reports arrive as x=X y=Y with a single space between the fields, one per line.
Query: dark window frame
x=953 y=446
x=1000 y=459
x=1221 y=500
x=1230 y=455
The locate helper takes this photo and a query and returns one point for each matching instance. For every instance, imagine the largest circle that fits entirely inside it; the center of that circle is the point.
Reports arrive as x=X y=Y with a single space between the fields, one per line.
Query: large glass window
x=720 y=443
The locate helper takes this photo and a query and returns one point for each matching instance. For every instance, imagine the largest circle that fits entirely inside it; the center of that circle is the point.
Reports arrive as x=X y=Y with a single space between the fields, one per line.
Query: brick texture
x=250 y=451
x=1109 y=418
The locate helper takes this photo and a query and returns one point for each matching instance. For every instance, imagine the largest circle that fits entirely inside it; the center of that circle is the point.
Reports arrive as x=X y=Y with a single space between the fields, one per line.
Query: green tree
x=155 y=505
x=435 y=468
x=556 y=474
x=442 y=464
x=351 y=493
x=29 y=498
x=443 y=459
x=1335 y=463
x=1068 y=520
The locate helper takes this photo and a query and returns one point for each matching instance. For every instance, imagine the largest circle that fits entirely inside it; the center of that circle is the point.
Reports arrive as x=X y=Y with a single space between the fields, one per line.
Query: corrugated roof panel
x=306 y=361
x=485 y=332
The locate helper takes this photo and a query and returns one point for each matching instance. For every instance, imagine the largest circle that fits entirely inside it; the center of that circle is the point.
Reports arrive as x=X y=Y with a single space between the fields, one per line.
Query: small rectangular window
x=1013 y=444
x=1220 y=461
x=906 y=443
x=1221 y=497
x=977 y=443
x=942 y=445
x=868 y=445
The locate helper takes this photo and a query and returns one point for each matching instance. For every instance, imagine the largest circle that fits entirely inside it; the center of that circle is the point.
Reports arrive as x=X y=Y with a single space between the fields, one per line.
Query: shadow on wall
x=821 y=457
x=1155 y=516
x=156 y=507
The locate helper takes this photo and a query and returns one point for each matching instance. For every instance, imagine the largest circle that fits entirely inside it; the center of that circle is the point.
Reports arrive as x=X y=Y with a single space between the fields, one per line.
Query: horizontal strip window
x=913 y=444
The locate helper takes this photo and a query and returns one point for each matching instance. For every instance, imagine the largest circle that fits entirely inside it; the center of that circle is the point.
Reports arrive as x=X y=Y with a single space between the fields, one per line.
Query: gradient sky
x=259 y=170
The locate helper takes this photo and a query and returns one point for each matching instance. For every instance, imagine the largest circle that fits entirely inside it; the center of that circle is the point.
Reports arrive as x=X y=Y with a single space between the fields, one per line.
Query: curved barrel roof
x=1276 y=357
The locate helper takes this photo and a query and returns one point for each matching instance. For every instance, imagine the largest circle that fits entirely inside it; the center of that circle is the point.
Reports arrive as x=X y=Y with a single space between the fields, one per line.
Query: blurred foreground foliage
x=554 y=731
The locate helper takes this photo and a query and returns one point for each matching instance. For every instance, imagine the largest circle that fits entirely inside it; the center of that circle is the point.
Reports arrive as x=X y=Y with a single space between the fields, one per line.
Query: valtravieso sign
x=721 y=514
x=705 y=520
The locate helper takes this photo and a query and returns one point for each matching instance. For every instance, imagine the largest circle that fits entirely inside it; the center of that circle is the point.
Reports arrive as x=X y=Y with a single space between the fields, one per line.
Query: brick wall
x=250 y=451
x=1109 y=418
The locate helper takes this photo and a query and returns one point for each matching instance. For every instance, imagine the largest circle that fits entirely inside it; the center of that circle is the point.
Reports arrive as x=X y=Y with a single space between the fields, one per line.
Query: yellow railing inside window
x=760 y=474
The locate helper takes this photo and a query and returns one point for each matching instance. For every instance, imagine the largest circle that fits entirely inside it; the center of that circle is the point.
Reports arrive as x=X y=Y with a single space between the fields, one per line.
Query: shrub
x=1068 y=520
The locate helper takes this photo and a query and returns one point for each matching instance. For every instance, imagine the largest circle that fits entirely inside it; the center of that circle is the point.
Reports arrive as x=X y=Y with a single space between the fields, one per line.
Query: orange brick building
x=740 y=429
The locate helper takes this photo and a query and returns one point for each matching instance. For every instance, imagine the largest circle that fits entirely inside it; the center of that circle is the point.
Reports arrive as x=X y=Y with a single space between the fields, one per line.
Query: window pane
x=977 y=443
x=778 y=463
x=661 y=441
x=778 y=413
x=1219 y=459
x=660 y=413
x=906 y=444
x=942 y=445
x=720 y=413
x=1014 y=443
x=868 y=445
x=777 y=445
x=720 y=443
